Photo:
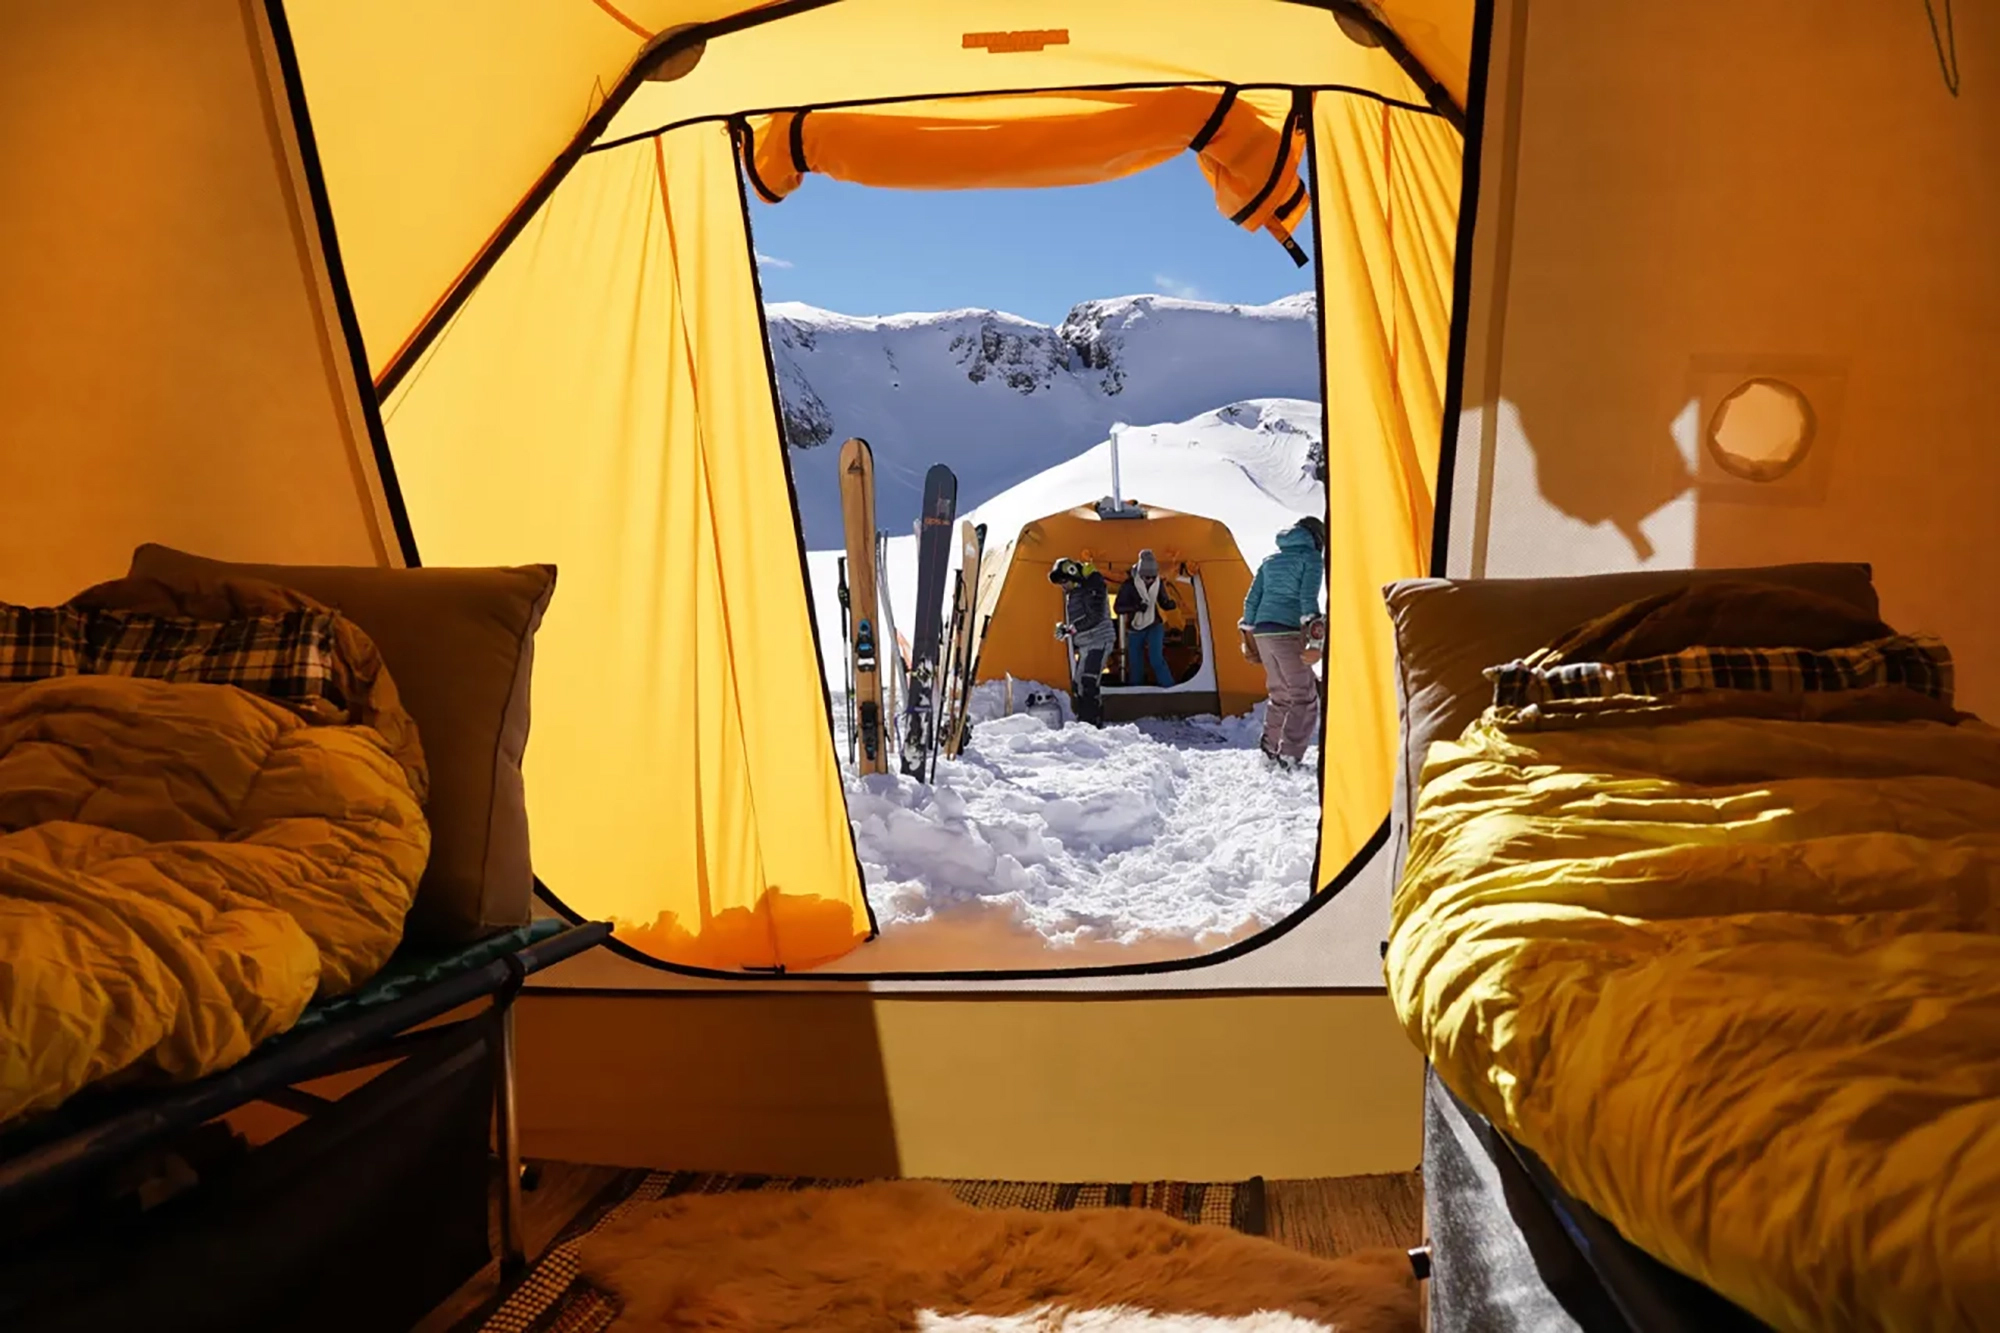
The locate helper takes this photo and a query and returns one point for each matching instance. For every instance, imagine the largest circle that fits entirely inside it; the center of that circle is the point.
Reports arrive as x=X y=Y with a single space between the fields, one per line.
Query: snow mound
x=1001 y=399
x=1169 y=837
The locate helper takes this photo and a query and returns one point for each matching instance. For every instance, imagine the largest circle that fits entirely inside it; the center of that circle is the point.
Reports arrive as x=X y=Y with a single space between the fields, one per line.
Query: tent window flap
x=1250 y=144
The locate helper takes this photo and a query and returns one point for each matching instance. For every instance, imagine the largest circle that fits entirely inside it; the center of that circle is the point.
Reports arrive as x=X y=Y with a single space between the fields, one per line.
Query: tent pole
x=507 y=1129
x=1117 y=494
x=847 y=657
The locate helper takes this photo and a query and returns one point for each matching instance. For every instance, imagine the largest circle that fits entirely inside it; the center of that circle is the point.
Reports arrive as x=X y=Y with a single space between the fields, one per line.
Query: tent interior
x=1603 y=287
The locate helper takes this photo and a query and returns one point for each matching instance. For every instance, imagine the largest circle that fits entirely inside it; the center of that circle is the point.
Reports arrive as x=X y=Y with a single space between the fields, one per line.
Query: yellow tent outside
x=1018 y=606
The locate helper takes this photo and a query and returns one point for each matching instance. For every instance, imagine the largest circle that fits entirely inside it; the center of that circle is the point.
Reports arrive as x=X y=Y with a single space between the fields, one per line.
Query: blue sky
x=1035 y=253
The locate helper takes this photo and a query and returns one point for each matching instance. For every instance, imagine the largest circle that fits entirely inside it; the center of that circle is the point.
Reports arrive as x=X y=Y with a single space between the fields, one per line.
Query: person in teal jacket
x=1283 y=602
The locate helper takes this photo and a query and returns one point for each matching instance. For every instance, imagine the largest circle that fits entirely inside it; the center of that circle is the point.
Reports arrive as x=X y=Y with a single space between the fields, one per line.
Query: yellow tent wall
x=173 y=365
x=1049 y=1087
x=604 y=399
x=1790 y=186
x=434 y=120
x=435 y=126
x=1025 y=606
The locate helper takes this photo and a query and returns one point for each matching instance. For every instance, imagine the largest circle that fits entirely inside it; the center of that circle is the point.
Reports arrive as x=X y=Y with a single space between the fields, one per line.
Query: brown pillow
x=459 y=644
x=356 y=676
x=1448 y=631
x=1723 y=614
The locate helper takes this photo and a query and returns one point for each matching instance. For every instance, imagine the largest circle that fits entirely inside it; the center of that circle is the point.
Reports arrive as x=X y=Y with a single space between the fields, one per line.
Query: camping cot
x=135 y=1208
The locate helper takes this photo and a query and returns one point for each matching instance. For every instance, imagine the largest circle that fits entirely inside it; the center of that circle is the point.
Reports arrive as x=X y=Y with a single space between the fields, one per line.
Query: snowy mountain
x=1001 y=399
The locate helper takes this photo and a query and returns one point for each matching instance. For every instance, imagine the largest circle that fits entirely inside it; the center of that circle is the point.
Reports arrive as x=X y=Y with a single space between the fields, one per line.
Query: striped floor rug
x=552 y=1298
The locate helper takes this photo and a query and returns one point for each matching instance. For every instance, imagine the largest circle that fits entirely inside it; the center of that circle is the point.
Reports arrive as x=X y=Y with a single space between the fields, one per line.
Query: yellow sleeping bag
x=183 y=866
x=1737 y=982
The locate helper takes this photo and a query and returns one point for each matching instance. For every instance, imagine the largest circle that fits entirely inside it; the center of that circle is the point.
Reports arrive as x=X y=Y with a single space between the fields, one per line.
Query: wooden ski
x=947 y=692
x=972 y=550
x=857 y=508
x=896 y=680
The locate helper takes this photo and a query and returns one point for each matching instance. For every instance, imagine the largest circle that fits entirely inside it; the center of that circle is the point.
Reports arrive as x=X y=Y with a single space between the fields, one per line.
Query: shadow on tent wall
x=758 y=1083
x=1785 y=191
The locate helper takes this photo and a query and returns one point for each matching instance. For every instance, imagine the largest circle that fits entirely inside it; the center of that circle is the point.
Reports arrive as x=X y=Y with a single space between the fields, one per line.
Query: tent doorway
x=605 y=354
x=1025 y=836
x=1187 y=646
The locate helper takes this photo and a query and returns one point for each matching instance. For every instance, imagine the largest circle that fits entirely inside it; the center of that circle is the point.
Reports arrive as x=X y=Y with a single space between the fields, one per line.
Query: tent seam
x=706 y=900
x=1343 y=89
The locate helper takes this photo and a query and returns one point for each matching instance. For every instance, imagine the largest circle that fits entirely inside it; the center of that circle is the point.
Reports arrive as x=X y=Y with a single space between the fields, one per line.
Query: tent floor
x=1320 y=1217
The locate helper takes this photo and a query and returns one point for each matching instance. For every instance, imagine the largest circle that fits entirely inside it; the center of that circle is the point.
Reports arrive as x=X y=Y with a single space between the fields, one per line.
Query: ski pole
x=847 y=657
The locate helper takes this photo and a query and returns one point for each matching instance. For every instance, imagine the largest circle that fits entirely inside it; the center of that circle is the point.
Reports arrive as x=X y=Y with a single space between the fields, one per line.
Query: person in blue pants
x=1141 y=598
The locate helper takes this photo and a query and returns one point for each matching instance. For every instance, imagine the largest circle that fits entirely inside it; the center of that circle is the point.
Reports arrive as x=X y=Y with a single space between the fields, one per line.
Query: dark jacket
x=1131 y=603
x=1085 y=604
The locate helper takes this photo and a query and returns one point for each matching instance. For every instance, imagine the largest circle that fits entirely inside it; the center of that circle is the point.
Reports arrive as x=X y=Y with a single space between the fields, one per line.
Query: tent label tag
x=1029 y=39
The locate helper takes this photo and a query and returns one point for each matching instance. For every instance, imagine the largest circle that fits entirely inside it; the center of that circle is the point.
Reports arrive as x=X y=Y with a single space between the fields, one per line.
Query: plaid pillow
x=291 y=658
x=38 y=642
x=1914 y=661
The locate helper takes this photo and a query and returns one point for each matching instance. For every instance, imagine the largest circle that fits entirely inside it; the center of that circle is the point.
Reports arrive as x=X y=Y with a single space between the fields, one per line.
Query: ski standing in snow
x=857 y=503
x=957 y=722
x=927 y=635
x=895 y=685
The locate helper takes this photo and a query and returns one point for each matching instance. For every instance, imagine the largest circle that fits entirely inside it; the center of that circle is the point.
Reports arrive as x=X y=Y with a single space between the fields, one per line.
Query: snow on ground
x=1062 y=847
x=1073 y=846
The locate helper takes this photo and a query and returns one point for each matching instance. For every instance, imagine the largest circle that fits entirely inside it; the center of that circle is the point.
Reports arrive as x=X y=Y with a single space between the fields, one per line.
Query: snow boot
x=1280 y=762
x=1089 y=710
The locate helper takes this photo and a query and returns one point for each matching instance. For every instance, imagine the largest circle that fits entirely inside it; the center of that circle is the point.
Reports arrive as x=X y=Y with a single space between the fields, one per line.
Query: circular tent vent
x=1761 y=430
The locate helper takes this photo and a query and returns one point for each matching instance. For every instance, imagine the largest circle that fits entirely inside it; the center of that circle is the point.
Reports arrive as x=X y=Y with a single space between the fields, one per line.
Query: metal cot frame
x=43 y=1163
x=1508 y=1250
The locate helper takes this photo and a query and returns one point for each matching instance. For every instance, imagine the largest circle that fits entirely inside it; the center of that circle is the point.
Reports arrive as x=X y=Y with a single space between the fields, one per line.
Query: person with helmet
x=1089 y=630
x=1283 y=629
x=1141 y=598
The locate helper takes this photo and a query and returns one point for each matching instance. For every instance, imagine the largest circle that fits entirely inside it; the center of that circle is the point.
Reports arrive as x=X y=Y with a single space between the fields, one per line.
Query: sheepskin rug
x=907 y=1257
